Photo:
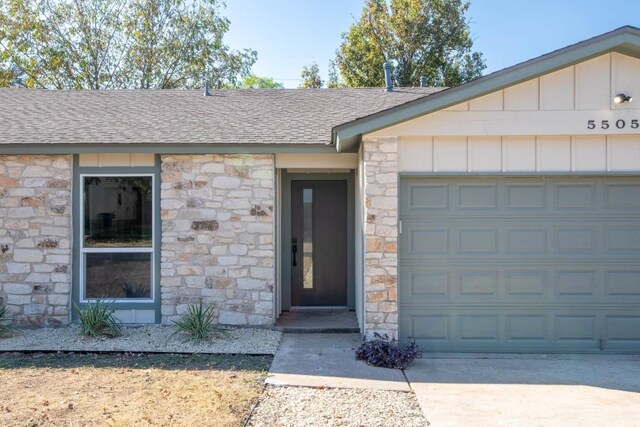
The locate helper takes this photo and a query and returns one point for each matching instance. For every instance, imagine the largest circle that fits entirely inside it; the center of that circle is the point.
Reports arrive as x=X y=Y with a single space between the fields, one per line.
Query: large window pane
x=118 y=275
x=117 y=211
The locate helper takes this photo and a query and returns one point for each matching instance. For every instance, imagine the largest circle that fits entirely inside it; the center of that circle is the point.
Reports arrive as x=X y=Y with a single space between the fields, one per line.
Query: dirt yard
x=130 y=389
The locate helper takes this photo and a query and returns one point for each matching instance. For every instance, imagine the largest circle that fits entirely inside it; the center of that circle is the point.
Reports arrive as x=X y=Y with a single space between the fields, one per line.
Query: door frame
x=285 y=232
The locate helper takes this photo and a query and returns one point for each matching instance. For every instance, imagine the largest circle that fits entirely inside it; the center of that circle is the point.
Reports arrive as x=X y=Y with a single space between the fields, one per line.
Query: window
x=116 y=249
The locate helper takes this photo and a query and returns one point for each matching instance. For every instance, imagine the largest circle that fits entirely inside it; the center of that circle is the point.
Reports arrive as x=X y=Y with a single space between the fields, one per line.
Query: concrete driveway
x=517 y=390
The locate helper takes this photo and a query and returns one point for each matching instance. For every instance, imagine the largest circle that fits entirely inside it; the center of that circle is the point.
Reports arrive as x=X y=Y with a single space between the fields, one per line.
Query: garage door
x=520 y=264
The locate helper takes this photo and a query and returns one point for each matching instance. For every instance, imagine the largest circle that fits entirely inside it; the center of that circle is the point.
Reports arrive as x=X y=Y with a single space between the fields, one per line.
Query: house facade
x=500 y=215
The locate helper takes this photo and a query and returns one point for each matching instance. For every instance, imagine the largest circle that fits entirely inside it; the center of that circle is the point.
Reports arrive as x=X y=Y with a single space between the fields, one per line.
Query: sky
x=289 y=34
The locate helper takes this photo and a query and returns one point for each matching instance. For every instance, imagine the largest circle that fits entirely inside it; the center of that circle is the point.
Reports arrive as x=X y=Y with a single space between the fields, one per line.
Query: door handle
x=294 y=251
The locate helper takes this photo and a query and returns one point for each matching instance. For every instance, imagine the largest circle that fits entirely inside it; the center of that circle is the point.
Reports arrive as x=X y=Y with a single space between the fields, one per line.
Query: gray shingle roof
x=270 y=116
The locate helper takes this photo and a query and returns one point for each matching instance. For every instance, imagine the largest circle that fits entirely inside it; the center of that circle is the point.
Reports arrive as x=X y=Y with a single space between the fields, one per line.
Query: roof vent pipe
x=206 y=89
x=423 y=81
x=387 y=77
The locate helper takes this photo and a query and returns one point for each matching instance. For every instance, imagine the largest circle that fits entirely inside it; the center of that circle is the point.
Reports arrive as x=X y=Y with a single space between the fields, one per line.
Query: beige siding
x=536 y=126
x=449 y=154
x=317 y=161
x=518 y=154
x=522 y=97
x=557 y=91
x=490 y=102
x=485 y=153
x=553 y=154
x=543 y=154
x=120 y=160
x=558 y=103
x=593 y=81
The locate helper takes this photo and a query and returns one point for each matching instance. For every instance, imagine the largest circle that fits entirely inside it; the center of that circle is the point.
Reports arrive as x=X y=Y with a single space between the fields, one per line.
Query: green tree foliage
x=311 y=76
x=334 y=81
x=105 y=44
x=255 y=82
x=428 y=38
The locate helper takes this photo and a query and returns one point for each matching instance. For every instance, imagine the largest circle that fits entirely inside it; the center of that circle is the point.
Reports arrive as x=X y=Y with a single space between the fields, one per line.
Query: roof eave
x=625 y=40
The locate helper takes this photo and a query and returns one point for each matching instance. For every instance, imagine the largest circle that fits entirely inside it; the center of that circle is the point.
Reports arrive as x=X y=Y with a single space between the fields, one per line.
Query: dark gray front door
x=319 y=243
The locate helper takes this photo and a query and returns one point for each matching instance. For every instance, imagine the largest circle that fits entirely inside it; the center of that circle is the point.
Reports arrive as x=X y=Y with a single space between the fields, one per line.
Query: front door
x=319 y=243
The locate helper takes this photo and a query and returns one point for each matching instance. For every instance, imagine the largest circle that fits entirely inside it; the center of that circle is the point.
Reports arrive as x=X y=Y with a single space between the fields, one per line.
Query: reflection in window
x=118 y=275
x=117 y=211
x=307 y=241
x=117 y=242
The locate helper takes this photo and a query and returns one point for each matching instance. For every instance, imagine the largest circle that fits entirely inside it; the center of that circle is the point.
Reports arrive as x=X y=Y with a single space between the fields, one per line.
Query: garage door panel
x=576 y=239
x=511 y=283
x=477 y=196
x=622 y=285
x=526 y=239
x=506 y=237
x=476 y=240
x=526 y=285
x=525 y=196
x=425 y=285
x=623 y=329
x=622 y=195
x=483 y=328
x=423 y=197
x=527 y=329
x=622 y=239
x=572 y=196
x=577 y=329
x=421 y=241
x=576 y=285
x=520 y=264
x=476 y=329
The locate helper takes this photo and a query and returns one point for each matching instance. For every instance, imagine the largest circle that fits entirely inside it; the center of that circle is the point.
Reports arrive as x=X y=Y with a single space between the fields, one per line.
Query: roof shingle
x=268 y=116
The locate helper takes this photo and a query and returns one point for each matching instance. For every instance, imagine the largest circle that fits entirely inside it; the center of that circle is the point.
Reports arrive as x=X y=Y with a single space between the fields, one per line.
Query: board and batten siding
x=536 y=126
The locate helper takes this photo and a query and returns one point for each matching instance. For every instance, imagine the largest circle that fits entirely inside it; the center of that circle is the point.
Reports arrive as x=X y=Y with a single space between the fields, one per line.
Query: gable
x=624 y=41
x=557 y=103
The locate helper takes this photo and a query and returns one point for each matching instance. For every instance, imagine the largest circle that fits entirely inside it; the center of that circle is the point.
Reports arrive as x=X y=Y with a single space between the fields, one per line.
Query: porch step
x=318 y=330
x=317 y=322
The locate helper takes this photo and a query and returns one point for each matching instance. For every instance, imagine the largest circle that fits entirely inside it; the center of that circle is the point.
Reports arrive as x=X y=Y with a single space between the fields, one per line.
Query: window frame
x=150 y=250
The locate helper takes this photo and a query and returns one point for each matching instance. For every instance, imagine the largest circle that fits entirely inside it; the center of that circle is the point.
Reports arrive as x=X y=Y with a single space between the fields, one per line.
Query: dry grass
x=128 y=390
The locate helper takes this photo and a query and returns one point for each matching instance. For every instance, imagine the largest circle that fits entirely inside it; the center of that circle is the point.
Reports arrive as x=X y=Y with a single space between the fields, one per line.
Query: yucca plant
x=5 y=321
x=198 y=322
x=97 y=319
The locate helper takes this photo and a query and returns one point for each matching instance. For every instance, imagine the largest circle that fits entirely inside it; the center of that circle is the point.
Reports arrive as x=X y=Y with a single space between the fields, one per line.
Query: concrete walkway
x=328 y=360
x=488 y=390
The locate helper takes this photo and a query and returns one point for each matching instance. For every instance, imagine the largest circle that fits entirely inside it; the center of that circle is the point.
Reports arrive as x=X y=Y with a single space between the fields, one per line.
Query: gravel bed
x=302 y=406
x=150 y=338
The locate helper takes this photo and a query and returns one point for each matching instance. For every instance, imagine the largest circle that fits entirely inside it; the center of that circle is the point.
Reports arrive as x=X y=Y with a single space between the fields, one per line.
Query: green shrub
x=5 y=321
x=97 y=319
x=199 y=322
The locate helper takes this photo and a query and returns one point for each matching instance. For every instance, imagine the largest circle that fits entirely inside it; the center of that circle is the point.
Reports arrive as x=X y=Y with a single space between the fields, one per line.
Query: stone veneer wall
x=217 y=236
x=381 y=235
x=35 y=238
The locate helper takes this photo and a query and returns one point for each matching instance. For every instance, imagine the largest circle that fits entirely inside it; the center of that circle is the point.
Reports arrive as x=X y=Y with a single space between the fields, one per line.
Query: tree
x=428 y=38
x=311 y=76
x=254 y=82
x=104 y=44
x=179 y=43
x=334 y=81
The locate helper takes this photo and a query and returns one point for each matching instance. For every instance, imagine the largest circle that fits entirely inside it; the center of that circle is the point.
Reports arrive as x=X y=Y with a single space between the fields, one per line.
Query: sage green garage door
x=520 y=264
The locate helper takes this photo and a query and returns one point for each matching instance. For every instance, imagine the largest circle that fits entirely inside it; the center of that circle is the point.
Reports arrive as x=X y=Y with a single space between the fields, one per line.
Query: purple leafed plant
x=385 y=353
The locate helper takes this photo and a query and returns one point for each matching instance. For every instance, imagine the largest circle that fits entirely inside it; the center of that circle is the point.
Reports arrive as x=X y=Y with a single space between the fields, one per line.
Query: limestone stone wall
x=35 y=238
x=380 y=156
x=217 y=236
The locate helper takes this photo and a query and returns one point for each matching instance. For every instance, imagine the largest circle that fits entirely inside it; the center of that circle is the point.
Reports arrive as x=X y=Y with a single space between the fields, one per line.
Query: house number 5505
x=606 y=124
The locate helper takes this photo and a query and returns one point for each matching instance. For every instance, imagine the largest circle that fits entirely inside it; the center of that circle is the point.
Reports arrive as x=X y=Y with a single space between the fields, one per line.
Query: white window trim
x=151 y=250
